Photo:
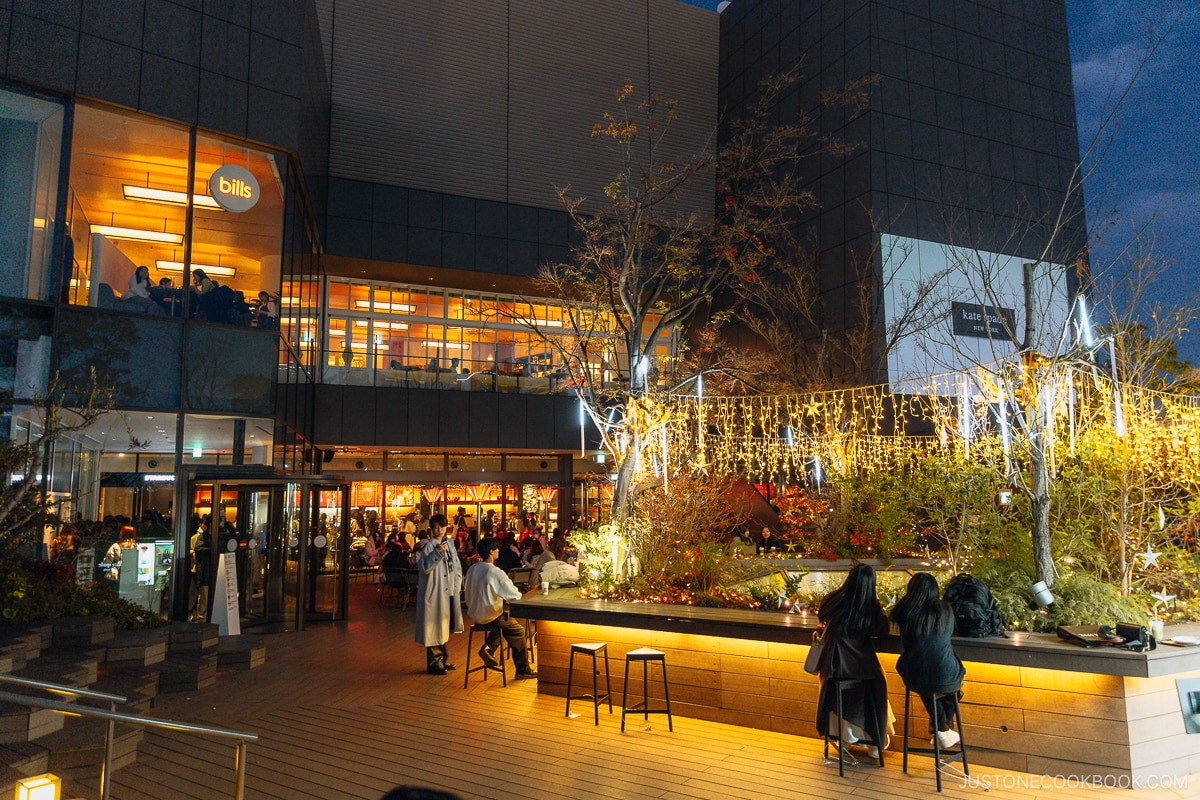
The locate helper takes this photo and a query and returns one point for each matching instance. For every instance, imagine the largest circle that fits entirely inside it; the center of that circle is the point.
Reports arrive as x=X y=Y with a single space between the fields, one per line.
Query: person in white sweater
x=487 y=588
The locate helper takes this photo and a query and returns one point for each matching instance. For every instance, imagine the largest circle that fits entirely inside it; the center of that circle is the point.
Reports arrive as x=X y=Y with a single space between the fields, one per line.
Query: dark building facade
x=968 y=144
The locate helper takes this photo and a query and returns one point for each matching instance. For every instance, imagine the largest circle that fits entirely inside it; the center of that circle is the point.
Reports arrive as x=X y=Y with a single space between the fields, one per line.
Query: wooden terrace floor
x=346 y=711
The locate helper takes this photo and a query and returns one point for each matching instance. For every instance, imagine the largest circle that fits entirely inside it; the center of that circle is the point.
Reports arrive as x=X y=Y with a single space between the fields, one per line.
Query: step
x=25 y=642
x=19 y=723
x=22 y=759
x=137 y=685
x=185 y=673
x=241 y=652
x=77 y=633
x=137 y=648
x=76 y=668
x=80 y=745
x=192 y=637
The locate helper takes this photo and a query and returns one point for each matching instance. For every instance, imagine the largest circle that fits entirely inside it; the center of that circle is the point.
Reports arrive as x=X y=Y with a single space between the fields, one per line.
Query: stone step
x=137 y=648
x=241 y=652
x=23 y=759
x=82 y=633
x=80 y=745
x=21 y=724
x=192 y=637
x=185 y=673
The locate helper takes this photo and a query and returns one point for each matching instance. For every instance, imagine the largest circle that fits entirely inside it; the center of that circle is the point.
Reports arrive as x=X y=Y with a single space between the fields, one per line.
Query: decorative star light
x=1150 y=556
x=791 y=547
x=889 y=601
x=1162 y=597
x=783 y=598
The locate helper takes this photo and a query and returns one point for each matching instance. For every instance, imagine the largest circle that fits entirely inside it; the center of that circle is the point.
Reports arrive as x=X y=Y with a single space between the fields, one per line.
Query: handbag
x=813 y=661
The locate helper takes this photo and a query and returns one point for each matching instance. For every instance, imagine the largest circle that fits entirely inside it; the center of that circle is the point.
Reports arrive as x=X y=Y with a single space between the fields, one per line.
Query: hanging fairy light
x=1085 y=325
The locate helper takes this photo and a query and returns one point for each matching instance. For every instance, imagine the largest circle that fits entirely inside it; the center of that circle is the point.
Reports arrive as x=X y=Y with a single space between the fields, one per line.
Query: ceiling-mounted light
x=396 y=326
x=448 y=345
x=394 y=308
x=168 y=197
x=209 y=269
x=137 y=234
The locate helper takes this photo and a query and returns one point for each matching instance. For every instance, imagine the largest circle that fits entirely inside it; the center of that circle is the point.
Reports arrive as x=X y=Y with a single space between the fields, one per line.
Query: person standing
x=439 y=612
x=487 y=588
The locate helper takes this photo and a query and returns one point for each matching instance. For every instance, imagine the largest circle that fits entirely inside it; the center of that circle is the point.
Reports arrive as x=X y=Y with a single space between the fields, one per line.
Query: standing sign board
x=226 y=614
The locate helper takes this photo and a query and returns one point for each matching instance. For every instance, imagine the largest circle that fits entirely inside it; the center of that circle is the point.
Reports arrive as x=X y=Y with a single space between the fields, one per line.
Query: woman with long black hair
x=851 y=616
x=929 y=663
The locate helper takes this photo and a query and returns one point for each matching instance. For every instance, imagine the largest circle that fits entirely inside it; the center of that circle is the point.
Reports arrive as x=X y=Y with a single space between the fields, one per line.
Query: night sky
x=1143 y=184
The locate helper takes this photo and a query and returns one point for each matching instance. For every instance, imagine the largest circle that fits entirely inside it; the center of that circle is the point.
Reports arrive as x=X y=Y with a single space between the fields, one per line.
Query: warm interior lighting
x=137 y=234
x=448 y=345
x=396 y=326
x=167 y=197
x=289 y=301
x=394 y=308
x=209 y=269
x=39 y=787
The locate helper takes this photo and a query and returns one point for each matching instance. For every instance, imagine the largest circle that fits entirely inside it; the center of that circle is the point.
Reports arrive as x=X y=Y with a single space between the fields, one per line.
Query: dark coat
x=929 y=663
x=846 y=656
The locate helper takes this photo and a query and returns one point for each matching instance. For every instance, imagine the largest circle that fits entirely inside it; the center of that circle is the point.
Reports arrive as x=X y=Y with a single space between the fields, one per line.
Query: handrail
x=60 y=689
x=114 y=717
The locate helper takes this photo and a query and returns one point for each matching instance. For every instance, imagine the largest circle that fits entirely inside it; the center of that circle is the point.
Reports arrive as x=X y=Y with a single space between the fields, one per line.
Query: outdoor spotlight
x=1041 y=594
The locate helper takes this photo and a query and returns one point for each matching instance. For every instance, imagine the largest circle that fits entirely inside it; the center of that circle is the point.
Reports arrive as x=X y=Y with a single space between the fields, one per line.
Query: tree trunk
x=1039 y=502
x=622 y=492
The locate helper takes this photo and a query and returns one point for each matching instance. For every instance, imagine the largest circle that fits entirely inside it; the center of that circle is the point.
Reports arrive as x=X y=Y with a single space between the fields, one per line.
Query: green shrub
x=1080 y=599
x=39 y=591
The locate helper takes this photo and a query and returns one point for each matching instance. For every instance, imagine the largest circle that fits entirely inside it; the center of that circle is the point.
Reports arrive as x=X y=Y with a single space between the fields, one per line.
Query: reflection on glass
x=30 y=152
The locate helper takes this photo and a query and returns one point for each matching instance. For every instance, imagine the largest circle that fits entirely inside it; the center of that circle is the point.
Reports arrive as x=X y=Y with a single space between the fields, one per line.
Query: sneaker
x=526 y=674
x=947 y=739
x=487 y=657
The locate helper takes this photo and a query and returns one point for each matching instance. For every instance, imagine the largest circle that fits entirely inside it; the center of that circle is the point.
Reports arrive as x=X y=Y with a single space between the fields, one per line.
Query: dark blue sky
x=1143 y=185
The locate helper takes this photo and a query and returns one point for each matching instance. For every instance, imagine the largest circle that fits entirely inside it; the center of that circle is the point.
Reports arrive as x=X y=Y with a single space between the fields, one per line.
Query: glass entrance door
x=327 y=553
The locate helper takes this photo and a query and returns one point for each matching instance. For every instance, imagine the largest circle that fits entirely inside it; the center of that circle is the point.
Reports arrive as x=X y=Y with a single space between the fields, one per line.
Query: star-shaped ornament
x=791 y=547
x=889 y=601
x=1150 y=556
x=1163 y=597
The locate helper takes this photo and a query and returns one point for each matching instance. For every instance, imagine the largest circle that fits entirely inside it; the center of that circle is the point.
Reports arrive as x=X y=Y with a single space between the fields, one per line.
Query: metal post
x=239 y=786
x=106 y=767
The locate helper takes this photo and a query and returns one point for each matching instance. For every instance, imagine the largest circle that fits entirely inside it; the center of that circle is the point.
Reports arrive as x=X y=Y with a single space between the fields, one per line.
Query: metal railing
x=113 y=717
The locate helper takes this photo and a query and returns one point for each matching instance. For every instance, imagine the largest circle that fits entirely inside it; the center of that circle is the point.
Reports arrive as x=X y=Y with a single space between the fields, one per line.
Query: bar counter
x=1031 y=702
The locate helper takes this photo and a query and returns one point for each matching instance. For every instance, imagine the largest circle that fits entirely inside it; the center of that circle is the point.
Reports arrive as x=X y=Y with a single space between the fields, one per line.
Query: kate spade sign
x=234 y=188
x=985 y=322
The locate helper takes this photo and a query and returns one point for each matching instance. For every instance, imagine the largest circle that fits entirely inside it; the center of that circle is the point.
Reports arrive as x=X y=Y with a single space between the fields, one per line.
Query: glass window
x=31 y=131
x=128 y=206
x=339 y=295
x=237 y=250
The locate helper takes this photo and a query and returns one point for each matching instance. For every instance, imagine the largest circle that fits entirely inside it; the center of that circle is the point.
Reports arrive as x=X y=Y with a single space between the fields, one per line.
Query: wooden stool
x=840 y=685
x=936 y=751
x=591 y=650
x=646 y=655
x=484 y=629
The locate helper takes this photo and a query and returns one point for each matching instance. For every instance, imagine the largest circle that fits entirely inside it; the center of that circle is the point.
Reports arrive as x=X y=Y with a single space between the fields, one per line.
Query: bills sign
x=985 y=322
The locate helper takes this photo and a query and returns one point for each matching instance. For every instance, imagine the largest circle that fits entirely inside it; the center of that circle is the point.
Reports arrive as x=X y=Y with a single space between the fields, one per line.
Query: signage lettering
x=234 y=188
x=984 y=322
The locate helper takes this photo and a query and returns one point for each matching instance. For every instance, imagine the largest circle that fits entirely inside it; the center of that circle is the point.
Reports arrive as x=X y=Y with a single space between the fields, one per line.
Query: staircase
x=86 y=653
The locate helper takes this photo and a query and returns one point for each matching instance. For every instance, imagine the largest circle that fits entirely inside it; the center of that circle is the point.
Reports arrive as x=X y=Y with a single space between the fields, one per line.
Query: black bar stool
x=871 y=718
x=483 y=665
x=936 y=751
x=646 y=655
x=590 y=649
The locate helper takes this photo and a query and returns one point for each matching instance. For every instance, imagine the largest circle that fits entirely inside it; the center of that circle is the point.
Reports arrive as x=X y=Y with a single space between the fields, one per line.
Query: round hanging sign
x=234 y=188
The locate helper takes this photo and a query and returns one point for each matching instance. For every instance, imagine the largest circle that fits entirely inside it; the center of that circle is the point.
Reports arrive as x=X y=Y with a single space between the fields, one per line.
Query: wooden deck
x=347 y=711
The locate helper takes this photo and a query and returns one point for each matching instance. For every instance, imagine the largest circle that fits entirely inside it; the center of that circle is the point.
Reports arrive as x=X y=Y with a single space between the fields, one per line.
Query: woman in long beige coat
x=439 y=588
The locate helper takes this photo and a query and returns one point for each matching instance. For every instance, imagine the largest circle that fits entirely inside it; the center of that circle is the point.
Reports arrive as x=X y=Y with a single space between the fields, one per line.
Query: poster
x=145 y=564
x=85 y=566
x=225 y=614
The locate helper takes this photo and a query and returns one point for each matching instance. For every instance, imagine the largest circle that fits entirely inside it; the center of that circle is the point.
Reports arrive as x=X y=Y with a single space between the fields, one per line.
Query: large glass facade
x=390 y=334
x=31 y=134
x=131 y=206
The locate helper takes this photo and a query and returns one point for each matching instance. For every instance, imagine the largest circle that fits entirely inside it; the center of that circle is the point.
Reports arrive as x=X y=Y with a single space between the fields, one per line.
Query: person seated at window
x=266 y=313
x=851 y=616
x=486 y=588
x=137 y=296
x=166 y=283
x=432 y=366
x=202 y=282
x=929 y=663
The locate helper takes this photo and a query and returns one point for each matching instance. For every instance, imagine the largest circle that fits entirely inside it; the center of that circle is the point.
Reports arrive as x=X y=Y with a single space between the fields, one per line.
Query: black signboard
x=971 y=319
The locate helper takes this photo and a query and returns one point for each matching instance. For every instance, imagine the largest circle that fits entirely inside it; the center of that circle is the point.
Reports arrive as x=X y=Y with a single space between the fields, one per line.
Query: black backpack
x=975 y=612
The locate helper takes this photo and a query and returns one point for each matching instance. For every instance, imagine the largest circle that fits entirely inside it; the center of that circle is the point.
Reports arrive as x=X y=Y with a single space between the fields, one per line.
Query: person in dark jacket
x=929 y=663
x=851 y=616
